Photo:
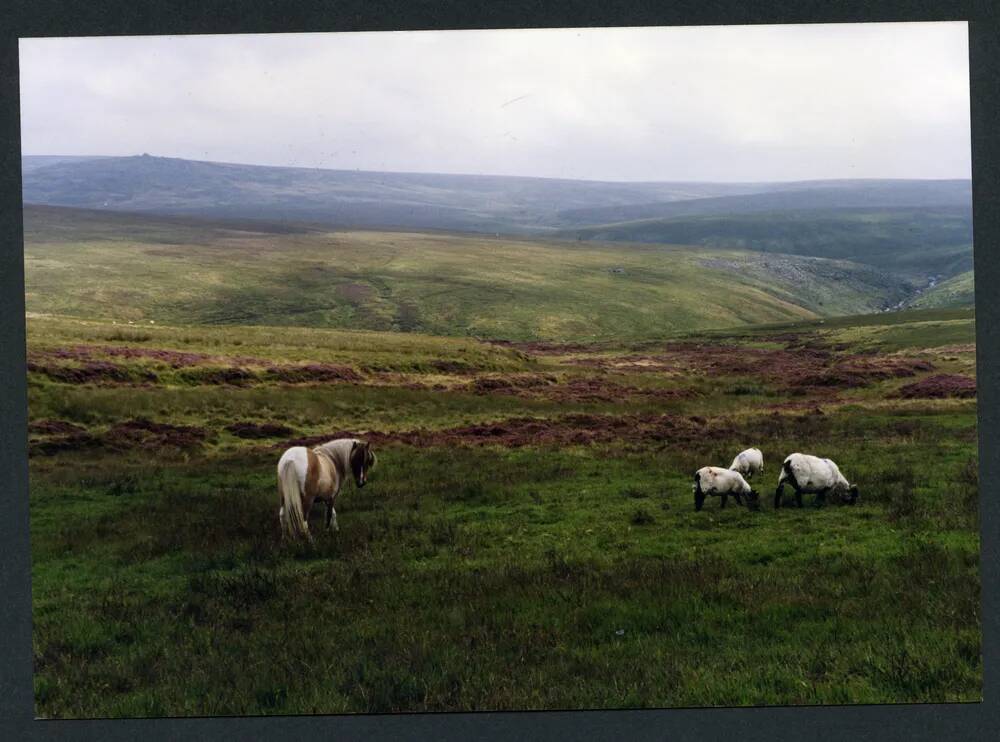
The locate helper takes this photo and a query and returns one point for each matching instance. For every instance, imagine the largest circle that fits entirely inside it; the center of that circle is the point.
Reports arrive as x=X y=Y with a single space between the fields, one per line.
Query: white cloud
x=709 y=103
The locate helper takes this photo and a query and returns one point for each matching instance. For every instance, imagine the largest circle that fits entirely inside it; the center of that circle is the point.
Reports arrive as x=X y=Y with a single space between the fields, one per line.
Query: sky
x=723 y=103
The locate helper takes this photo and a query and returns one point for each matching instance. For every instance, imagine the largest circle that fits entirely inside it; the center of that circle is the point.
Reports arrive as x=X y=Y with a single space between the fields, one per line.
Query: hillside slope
x=132 y=268
x=926 y=241
x=483 y=203
x=958 y=291
x=805 y=195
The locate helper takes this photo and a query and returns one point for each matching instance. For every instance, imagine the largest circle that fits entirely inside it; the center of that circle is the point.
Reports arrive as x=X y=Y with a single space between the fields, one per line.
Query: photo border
x=121 y=17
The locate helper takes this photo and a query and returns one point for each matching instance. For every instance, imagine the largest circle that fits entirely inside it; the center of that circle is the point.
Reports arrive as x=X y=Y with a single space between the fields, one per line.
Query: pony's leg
x=307 y=504
x=282 y=524
x=331 y=517
x=333 y=510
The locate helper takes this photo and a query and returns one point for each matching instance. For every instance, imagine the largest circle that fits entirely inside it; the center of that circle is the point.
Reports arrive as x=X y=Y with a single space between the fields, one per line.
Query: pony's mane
x=338 y=445
x=341 y=452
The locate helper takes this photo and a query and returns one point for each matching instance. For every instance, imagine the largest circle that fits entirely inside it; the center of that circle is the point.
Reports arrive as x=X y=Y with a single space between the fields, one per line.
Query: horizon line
x=496 y=175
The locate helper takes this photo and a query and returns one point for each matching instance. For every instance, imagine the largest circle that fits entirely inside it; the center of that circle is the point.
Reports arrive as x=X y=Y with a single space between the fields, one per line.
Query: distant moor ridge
x=810 y=248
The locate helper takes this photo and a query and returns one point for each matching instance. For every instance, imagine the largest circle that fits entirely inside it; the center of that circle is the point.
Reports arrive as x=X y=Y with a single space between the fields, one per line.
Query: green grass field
x=528 y=539
x=127 y=268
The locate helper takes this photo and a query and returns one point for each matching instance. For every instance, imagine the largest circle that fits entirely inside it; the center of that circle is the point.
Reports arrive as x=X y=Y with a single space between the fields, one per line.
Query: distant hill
x=930 y=241
x=30 y=163
x=183 y=270
x=783 y=197
x=482 y=203
x=921 y=228
x=485 y=202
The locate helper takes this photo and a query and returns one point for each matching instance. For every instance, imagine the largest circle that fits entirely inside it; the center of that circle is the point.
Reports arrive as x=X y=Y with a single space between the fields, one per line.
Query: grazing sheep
x=812 y=474
x=749 y=463
x=714 y=480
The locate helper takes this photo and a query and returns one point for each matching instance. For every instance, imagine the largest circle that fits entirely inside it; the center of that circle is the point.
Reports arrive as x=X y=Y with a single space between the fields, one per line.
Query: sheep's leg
x=778 y=494
x=699 y=499
x=739 y=498
x=798 y=498
x=821 y=498
x=725 y=499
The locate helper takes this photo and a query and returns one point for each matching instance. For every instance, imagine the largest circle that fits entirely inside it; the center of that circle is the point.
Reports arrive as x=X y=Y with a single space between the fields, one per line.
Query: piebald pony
x=309 y=474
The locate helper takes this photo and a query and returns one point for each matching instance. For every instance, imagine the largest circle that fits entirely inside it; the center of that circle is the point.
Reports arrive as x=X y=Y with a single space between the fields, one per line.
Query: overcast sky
x=727 y=103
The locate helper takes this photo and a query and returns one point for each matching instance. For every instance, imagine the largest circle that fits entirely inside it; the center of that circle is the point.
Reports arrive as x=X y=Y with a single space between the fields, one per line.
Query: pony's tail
x=293 y=521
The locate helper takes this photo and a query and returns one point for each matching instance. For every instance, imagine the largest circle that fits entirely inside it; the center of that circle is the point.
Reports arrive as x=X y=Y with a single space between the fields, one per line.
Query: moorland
x=538 y=405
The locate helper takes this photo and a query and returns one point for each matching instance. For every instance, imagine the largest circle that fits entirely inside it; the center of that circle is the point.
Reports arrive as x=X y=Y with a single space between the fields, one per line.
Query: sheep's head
x=848 y=493
x=753 y=500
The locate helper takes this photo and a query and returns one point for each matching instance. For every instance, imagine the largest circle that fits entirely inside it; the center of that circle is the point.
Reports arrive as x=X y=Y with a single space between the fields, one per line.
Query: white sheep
x=749 y=463
x=811 y=474
x=714 y=480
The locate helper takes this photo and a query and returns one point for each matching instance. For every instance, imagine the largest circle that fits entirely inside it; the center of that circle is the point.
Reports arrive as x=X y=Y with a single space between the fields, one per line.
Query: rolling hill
x=426 y=200
x=918 y=229
x=929 y=241
x=128 y=267
x=785 y=197
x=480 y=203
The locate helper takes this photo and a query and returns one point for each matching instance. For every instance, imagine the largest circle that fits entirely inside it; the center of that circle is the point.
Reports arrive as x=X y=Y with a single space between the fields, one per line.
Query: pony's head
x=362 y=461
